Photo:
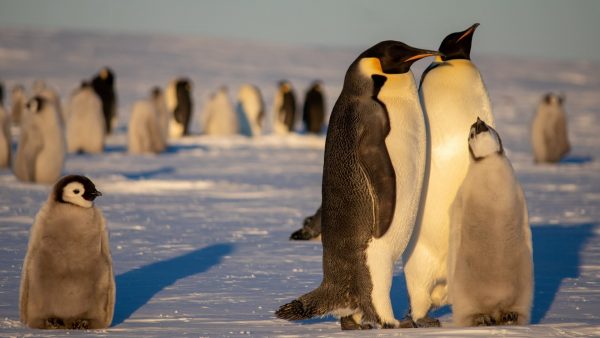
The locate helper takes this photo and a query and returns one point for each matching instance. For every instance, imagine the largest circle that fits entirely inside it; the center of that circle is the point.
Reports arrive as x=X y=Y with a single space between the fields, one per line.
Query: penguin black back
x=183 y=110
x=104 y=85
x=314 y=108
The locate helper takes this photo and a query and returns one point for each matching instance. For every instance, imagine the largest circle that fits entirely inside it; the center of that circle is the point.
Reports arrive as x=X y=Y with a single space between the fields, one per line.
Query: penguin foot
x=428 y=322
x=54 y=323
x=508 y=318
x=483 y=320
x=80 y=324
x=348 y=323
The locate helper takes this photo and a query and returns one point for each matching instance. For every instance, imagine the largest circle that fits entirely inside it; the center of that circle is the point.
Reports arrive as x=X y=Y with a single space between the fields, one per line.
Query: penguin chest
x=406 y=147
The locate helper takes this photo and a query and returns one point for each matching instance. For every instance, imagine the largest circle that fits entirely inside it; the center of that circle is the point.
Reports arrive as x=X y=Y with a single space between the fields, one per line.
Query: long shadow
x=136 y=287
x=576 y=159
x=146 y=174
x=175 y=148
x=555 y=257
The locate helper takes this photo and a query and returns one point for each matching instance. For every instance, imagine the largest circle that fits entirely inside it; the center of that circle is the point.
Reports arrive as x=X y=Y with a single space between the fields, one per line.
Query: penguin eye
x=472 y=133
x=76 y=191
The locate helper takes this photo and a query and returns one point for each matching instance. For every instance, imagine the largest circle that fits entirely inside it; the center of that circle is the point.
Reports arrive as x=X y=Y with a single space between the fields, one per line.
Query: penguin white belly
x=453 y=96
x=406 y=147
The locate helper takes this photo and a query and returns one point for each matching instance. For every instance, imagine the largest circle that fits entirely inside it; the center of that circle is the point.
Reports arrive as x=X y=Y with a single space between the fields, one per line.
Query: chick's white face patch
x=73 y=193
x=484 y=143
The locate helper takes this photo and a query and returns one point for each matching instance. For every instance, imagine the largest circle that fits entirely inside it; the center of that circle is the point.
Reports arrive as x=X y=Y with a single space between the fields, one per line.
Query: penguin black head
x=36 y=104
x=484 y=141
x=395 y=57
x=85 y=84
x=76 y=189
x=458 y=45
x=156 y=92
x=106 y=74
x=183 y=85
x=1 y=93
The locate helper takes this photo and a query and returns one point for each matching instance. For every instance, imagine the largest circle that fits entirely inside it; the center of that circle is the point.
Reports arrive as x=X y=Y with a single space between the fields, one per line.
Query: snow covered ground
x=199 y=234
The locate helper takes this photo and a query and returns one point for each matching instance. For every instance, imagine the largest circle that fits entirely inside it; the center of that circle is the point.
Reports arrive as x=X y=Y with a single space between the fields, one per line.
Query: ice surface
x=199 y=234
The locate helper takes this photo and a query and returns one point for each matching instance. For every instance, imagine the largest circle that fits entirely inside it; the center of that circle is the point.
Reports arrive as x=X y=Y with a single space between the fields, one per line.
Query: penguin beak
x=92 y=195
x=423 y=54
x=480 y=126
x=468 y=32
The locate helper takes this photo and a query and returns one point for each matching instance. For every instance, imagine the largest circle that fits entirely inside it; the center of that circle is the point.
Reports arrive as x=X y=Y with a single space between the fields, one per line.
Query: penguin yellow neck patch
x=370 y=66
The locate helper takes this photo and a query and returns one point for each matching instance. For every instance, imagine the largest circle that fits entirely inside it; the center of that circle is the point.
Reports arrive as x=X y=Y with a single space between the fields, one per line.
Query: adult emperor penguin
x=490 y=265
x=219 y=119
x=250 y=110
x=452 y=95
x=104 y=85
x=18 y=100
x=313 y=113
x=144 y=134
x=5 y=136
x=41 y=149
x=549 y=138
x=67 y=278
x=284 y=108
x=180 y=106
x=85 y=121
x=372 y=179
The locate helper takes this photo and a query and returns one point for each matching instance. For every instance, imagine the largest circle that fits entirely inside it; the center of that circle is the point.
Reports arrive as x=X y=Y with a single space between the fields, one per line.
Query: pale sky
x=564 y=29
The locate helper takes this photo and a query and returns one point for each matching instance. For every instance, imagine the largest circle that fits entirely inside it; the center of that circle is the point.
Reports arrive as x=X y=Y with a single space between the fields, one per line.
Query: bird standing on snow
x=85 y=121
x=549 y=137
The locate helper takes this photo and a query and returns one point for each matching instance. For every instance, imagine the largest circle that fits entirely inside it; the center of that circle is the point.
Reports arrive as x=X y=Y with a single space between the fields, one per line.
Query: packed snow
x=199 y=234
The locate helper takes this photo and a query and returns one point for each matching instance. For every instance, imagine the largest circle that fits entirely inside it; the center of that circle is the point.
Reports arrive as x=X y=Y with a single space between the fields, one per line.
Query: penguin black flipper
x=375 y=162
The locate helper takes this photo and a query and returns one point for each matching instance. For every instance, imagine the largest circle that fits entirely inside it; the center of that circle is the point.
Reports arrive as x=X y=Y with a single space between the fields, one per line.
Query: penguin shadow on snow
x=136 y=287
x=576 y=159
x=146 y=174
x=556 y=256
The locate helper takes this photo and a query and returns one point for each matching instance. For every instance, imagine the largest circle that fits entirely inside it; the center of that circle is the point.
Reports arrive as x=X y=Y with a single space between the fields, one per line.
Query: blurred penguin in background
x=218 y=115
x=104 y=85
x=145 y=136
x=41 y=88
x=313 y=113
x=180 y=106
x=86 y=131
x=250 y=110
x=284 y=108
x=158 y=99
x=18 y=99
x=549 y=137
x=5 y=139
x=41 y=151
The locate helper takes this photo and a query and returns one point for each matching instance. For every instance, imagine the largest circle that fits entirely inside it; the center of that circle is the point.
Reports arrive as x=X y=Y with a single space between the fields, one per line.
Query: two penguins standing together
x=432 y=185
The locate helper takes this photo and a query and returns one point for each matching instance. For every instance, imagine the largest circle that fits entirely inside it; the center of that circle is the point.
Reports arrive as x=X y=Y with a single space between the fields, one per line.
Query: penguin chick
x=144 y=133
x=41 y=149
x=219 y=117
x=5 y=138
x=67 y=279
x=490 y=265
x=158 y=99
x=85 y=121
x=18 y=100
x=549 y=138
x=250 y=110
x=372 y=178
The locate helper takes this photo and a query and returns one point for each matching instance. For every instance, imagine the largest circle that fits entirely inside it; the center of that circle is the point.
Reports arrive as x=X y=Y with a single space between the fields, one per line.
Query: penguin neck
x=398 y=85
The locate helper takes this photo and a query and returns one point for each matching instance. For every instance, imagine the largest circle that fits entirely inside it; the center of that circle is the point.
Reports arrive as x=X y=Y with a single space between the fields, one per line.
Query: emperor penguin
x=144 y=134
x=452 y=95
x=284 y=108
x=313 y=113
x=549 y=137
x=219 y=119
x=5 y=136
x=372 y=179
x=490 y=265
x=311 y=228
x=85 y=123
x=250 y=110
x=41 y=150
x=18 y=100
x=67 y=279
x=158 y=99
x=104 y=85
x=180 y=106
x=41 y=88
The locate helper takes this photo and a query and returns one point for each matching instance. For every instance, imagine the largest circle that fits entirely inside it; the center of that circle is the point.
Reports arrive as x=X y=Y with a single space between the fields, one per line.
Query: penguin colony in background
x=218 y=114
x=180 y=106
x=313 y=113
x=250 y=110
x=372 y=180
x=104 y=85
x=67 y=279
x=145 y=133
x=549 y=138
x=490 y=264
x=284 y=108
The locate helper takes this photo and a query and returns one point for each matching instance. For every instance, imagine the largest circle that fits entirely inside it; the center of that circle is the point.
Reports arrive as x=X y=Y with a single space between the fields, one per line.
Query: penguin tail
x=307 y=306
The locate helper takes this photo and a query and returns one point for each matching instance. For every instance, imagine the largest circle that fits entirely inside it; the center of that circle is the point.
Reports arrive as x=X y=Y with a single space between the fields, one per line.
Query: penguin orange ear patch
x=371 y=66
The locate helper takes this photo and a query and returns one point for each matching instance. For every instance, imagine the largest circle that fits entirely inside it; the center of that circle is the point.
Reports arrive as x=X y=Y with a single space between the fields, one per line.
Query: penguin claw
x=54 y=323
x=80 y=324
x=509 y=318
x=428 y=322
x=348 y=323
x=483 y=320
